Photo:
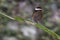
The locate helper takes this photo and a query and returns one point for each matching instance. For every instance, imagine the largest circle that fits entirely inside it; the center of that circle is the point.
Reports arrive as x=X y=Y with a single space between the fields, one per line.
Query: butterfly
x=37 y=14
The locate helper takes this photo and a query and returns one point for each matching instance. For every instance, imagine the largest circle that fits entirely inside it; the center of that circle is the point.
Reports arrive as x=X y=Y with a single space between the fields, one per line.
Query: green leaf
x=18 y=18
x=48 y=30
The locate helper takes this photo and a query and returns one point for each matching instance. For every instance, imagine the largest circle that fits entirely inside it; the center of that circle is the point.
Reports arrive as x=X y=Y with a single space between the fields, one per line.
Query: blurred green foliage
x=7 y=6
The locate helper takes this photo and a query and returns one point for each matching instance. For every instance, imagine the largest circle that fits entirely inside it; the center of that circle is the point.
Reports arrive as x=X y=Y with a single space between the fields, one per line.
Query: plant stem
x=37 y=25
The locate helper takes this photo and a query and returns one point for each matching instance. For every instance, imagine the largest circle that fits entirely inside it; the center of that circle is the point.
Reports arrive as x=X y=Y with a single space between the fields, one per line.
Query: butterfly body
x=37 y=14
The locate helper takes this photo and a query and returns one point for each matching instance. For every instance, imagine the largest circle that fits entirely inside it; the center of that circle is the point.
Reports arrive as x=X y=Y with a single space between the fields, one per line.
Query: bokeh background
x=14 y=30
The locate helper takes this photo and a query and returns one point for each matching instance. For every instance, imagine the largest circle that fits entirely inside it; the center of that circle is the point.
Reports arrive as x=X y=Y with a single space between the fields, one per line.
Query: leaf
x=48 y=30
x=18 y=18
